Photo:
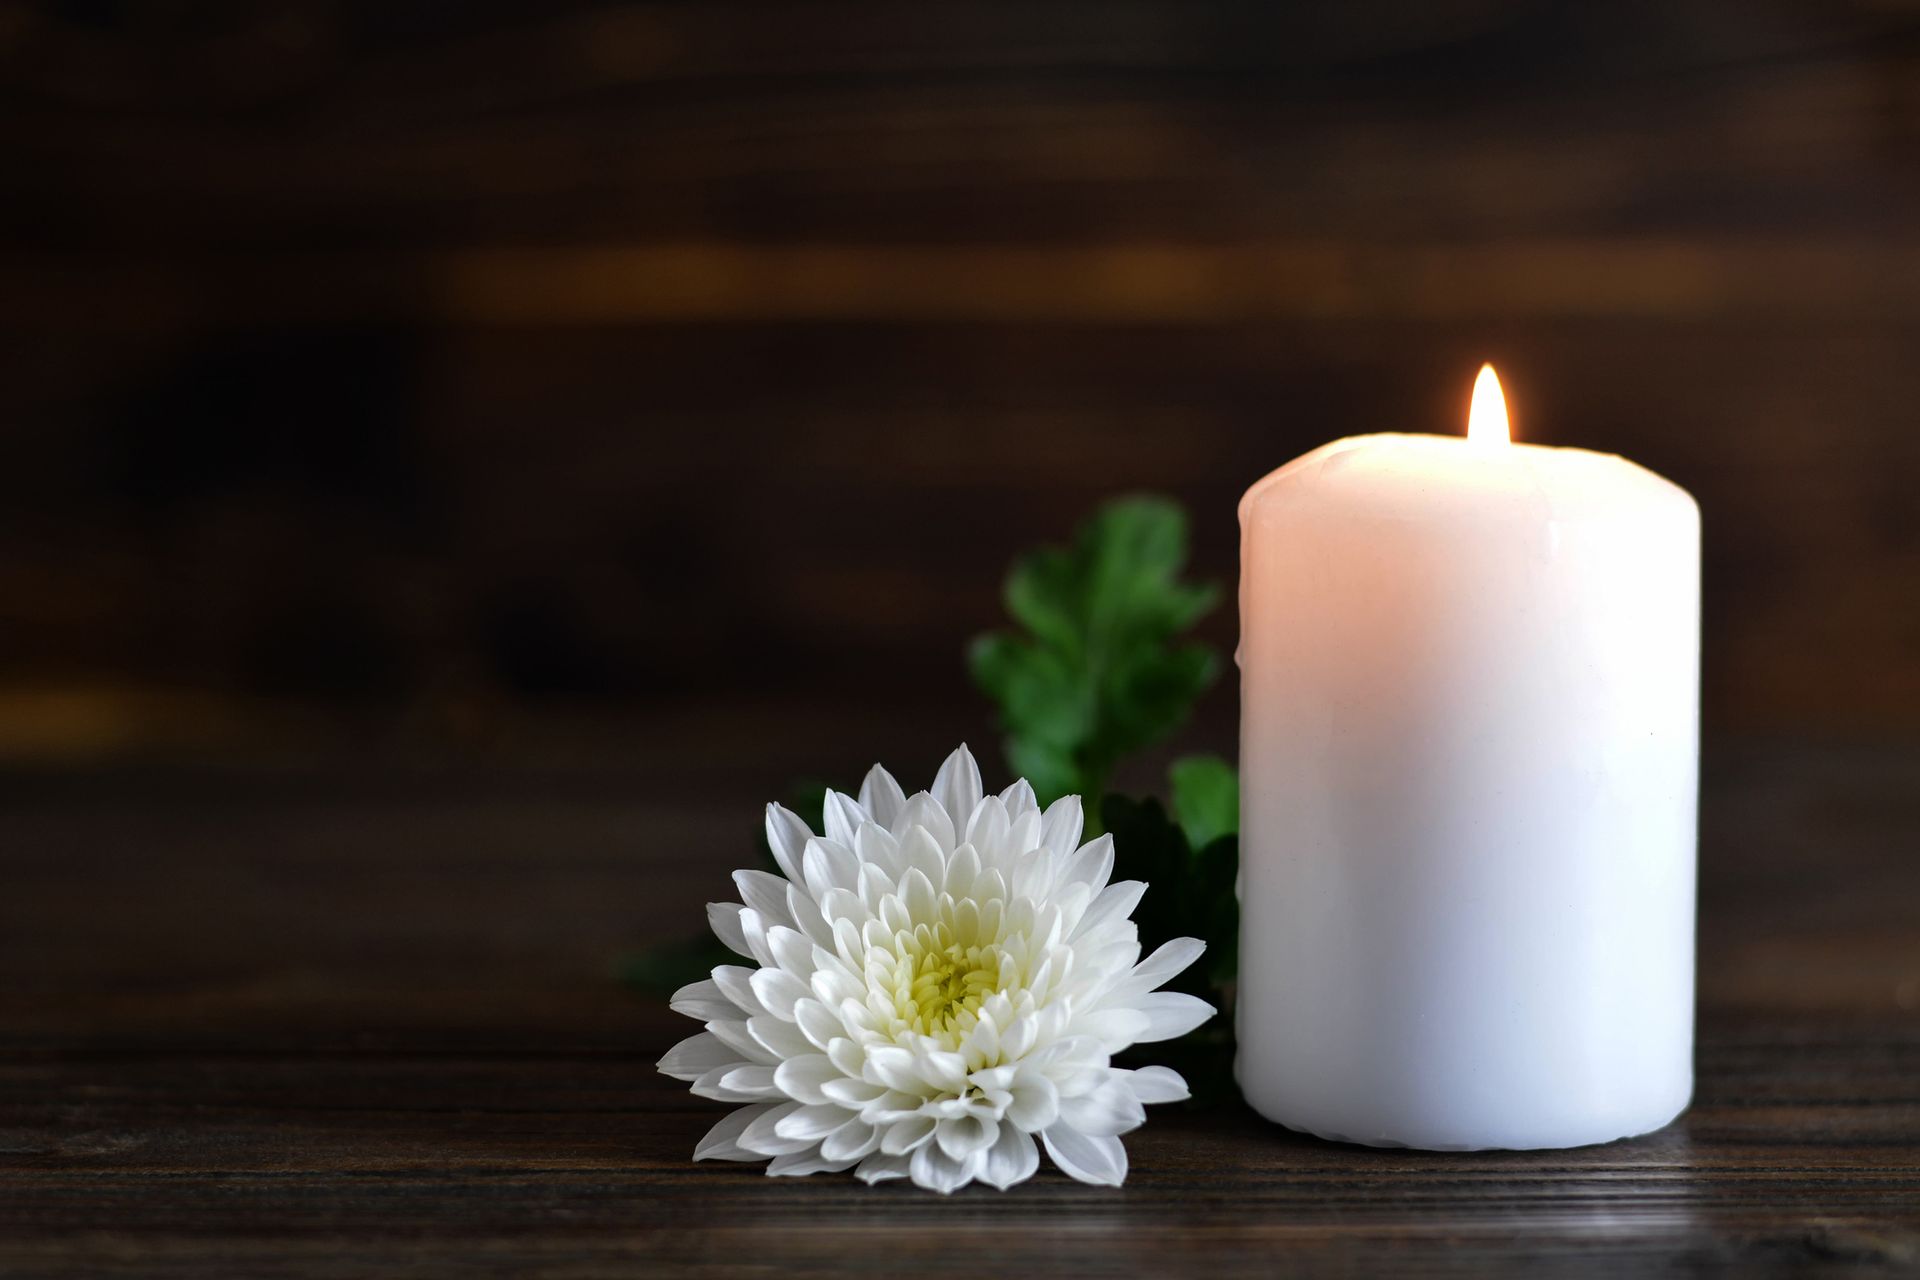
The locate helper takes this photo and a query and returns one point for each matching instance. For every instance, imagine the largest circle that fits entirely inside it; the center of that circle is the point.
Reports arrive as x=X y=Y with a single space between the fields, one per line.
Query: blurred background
x=666 y=387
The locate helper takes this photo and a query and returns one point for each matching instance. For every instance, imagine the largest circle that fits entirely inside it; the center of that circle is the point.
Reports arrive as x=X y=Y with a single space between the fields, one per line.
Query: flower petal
x=753 y=927
x=764 y=892
x=801 y=1163
x=1033 y=876
x=1036 y=1102
x=843 y=816
x=722 y=1141
x=875 y=885
x=850 y=1141
x=717 y=1085
x=962 y=1136
x=849 y=1092
x=941 y=1068
x=752 y=1080
x=812 y=1122
x=987 y=827
x=736 y=984
x=695 y=1056
x=1101 y=1161
x=935 y=1170
x=1019 y=799
x=1017 y=1039
x=917 y=895
x=1024 y=834
x=1092 y=865
x=734 y=1034
x=848 y=945
x=957 y=786
x=1114 y=903
x=924 y=812
x=989 y=888
x=847 y=1054
x=787 y=836
x=1107 y=1112
x=1157 y=1084
x=1170 y=1014
x=1061 y=825
x=1075 y=1064
x=800 y=1078
x=807 y=915
x=792 y=951
x=879 y=1167
x=920 y=852
x=893 y=1107
x=817 y=1023
x=906 y=1135
x=781 y=1039
x=1115 y=1029
x=892 y=1065
x=875 y=846
x=881 y=796
x=844 y=904
x=1166 y=963
x=761 y=1134
x=703 y=1000
x=828 y=865
x=962 y=870
x=779 y=990
x=1072 y=899
x=1012 y=1158
x=894 y=916
x=724 y=919
x=981 y=1046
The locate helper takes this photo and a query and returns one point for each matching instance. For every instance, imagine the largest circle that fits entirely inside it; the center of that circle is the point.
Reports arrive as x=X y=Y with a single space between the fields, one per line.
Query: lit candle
x=1469 y=752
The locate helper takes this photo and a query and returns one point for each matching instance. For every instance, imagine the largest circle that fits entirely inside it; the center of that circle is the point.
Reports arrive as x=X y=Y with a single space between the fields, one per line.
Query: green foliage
x=1191 y=894
x=1192 y=888
x=1206 y=798
x=1096 y=673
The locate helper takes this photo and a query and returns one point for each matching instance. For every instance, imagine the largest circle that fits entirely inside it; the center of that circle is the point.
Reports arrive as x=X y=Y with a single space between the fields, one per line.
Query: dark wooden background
x=377 y=377
x=457 y=461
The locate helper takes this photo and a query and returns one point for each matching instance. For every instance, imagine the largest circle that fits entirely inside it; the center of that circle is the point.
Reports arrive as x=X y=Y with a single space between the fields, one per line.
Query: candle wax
x=1469 y=750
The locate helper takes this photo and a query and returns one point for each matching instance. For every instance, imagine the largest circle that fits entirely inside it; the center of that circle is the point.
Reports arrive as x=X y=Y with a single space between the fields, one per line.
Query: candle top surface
x=1404 y=476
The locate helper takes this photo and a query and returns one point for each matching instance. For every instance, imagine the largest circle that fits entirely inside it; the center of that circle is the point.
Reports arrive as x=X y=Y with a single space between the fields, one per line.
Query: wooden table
x=269 y=1024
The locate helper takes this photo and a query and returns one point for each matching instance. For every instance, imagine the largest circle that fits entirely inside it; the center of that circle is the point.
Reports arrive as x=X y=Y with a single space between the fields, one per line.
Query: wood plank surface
x=365 y=1023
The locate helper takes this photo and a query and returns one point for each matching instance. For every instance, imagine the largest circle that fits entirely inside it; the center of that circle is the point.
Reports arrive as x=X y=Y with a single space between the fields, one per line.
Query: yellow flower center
x=941 y=984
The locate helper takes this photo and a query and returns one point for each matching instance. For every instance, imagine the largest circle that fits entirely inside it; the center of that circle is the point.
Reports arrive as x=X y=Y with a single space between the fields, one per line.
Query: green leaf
x=1191 y=891
x=1191 y=895
x=1049 y=769
x=1037 y=688
x=1096 y=673
x=1206 y=798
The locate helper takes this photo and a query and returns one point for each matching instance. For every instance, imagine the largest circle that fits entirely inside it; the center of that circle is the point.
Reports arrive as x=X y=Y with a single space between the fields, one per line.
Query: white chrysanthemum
x=940 y=981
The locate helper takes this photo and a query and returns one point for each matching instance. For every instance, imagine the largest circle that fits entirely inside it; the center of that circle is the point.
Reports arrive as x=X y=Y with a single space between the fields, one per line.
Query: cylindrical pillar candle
x=1469 y=759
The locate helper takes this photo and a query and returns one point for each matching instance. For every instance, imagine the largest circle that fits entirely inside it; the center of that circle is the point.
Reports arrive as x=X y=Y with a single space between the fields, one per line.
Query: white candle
x=1469 y=752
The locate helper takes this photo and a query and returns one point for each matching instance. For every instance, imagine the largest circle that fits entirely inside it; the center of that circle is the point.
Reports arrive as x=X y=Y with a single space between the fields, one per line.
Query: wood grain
x=364 y=1023
x=394 y=375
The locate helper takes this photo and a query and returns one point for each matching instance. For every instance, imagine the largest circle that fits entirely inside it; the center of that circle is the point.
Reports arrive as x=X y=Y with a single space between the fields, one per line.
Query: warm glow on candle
x=1487 y=419
x=1469 y=762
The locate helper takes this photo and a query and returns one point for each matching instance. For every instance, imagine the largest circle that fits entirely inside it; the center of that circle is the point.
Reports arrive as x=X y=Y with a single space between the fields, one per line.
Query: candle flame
x=1487 y=419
